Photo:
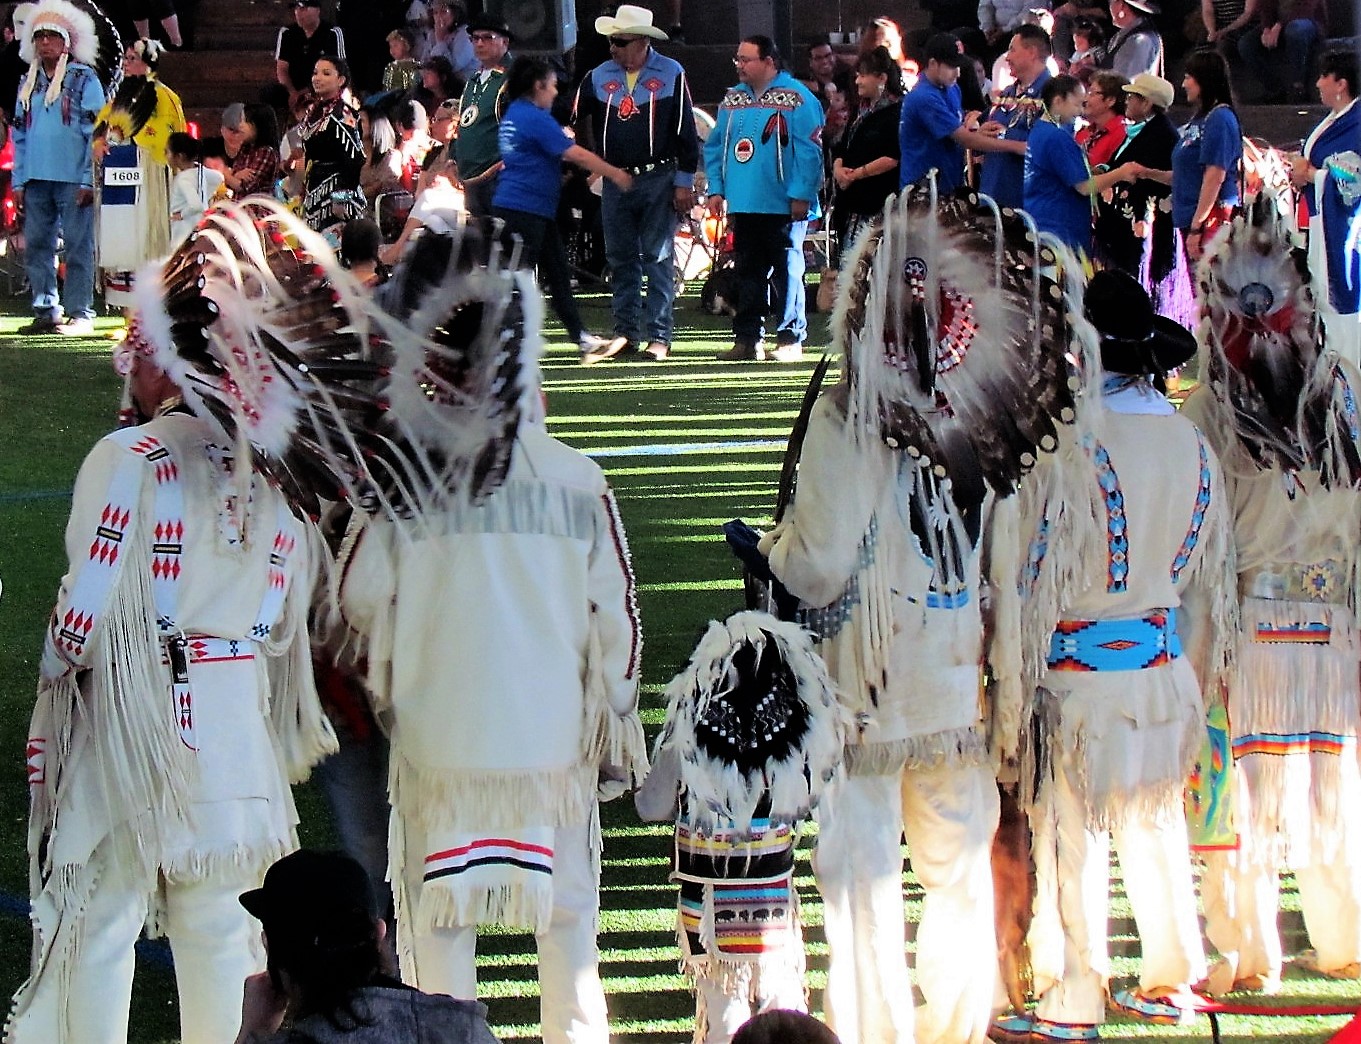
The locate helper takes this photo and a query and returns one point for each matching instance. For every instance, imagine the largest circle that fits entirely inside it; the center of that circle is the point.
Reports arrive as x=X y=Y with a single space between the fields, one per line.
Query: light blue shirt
x=52 y=142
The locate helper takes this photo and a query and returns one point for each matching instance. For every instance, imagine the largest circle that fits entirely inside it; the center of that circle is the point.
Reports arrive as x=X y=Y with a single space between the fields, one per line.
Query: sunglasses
x=481 y=37
x=623 y=41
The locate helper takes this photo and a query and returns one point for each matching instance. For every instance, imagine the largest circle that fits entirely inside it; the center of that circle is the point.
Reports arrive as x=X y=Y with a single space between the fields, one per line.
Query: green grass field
x=688 y=444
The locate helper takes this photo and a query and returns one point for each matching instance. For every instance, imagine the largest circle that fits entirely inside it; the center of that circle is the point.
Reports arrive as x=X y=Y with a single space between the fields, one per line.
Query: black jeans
x=541 y=245
x=768 y=263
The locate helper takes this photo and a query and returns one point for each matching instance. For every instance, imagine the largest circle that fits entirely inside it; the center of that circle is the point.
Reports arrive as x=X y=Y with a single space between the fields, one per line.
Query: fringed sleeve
x=816 y=551
x=614 y=732
x=363 y=590
x=1062 y=522
x=1009 y=693
x=1212 y=607
x=301 y=728
x=102 y=657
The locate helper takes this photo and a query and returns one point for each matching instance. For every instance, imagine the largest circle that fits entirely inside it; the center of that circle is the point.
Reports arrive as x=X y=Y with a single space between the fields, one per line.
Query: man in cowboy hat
x=54 y=118
x=1137 y=46
x=1146 y=624
x=635 y=111
x=1131 y=216
x=476 y=148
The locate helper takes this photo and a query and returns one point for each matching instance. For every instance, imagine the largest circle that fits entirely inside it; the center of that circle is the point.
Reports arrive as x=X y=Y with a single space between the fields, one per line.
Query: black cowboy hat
x=1134 y=338
x=485 y=23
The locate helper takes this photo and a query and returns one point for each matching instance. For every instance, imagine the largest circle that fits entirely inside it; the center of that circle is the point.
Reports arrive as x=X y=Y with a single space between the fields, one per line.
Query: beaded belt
x=648 y=168
x=1133 y=643
x=203 y=648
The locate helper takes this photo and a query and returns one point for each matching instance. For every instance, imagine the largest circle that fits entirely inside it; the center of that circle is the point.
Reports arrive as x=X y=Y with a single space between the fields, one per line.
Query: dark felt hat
x=1134 y=338
x=321 y=899
x=485 y=23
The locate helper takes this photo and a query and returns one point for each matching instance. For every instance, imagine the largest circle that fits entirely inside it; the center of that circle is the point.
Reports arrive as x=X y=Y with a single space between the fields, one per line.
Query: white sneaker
x=596 y=349
x=786 y=353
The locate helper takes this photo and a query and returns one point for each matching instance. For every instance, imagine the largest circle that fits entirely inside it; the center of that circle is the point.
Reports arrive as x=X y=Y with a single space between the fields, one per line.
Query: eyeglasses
x=481 y=37
x=623 y=41
x=740 y=60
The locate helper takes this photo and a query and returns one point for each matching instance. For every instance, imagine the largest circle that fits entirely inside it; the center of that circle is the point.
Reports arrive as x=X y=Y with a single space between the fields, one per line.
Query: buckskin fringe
x=966 y=746
x=469 y=801
x=1157 y=790
x=1284 y=690
x=509 y=905
x=54 y=950
x=141 y=762
x=611 y=739
x=302 y=733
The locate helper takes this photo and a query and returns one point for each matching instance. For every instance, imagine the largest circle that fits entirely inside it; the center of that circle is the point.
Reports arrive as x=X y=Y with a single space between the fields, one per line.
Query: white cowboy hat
x=629 y=20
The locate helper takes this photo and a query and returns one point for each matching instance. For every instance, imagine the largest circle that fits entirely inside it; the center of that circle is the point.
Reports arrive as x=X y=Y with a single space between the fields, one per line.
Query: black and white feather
x=956 y=339
x=753 y=716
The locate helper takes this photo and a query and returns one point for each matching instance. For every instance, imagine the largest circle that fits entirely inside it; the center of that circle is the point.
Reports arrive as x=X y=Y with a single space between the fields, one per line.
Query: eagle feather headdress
x=753 y=717
x=1264 y=352
x=328 y=395
x=465 y=332
x=956 y=338
x=90 y=36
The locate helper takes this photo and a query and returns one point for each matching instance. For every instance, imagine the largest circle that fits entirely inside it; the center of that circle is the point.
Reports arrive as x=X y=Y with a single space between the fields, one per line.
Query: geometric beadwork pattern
x=1188 y=544
x=1128 y=644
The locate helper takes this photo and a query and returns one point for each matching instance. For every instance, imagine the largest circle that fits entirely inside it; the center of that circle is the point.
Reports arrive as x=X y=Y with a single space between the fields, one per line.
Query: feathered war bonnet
x=91 y=39
x=464 y=333
x=955 y=339
x=753 y=716
x=268 y=339
x=1264 y=352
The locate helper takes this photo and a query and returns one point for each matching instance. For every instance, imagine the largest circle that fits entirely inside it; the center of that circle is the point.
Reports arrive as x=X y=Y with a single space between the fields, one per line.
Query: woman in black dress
x=865 y=167
x=335 y=152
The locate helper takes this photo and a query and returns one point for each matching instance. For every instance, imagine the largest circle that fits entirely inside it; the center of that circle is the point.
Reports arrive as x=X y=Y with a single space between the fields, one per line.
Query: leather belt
x=648 y=168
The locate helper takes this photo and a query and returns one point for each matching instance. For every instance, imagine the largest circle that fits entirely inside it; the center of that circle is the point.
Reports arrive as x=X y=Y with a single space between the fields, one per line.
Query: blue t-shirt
x=1212 y=140
x=930 y=114
x=532 y=144
x=1003 y=174
x=1053 y=165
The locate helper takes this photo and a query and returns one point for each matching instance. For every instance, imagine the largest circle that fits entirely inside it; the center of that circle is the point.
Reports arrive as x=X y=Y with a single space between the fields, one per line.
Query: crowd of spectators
x=423 y=106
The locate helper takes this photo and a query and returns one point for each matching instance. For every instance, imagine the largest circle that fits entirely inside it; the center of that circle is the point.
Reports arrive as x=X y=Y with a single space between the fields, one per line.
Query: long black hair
x=879 y=62
x=260 y=115
x=525 y=73
x=1207 y=67
x=326 y=973
x=1340 y=63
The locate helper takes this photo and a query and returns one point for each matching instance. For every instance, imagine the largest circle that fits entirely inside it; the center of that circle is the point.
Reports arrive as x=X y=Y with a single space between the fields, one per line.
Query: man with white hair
x=54 y=119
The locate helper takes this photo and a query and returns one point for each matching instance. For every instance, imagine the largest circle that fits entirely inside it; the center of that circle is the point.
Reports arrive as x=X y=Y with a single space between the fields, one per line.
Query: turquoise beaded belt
x=1133 y=643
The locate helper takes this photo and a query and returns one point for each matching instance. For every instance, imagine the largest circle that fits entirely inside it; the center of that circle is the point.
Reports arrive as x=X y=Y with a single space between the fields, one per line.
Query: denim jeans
x=640 y=231
x=50 y=208
x=768 y=256
x=1297 y=43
